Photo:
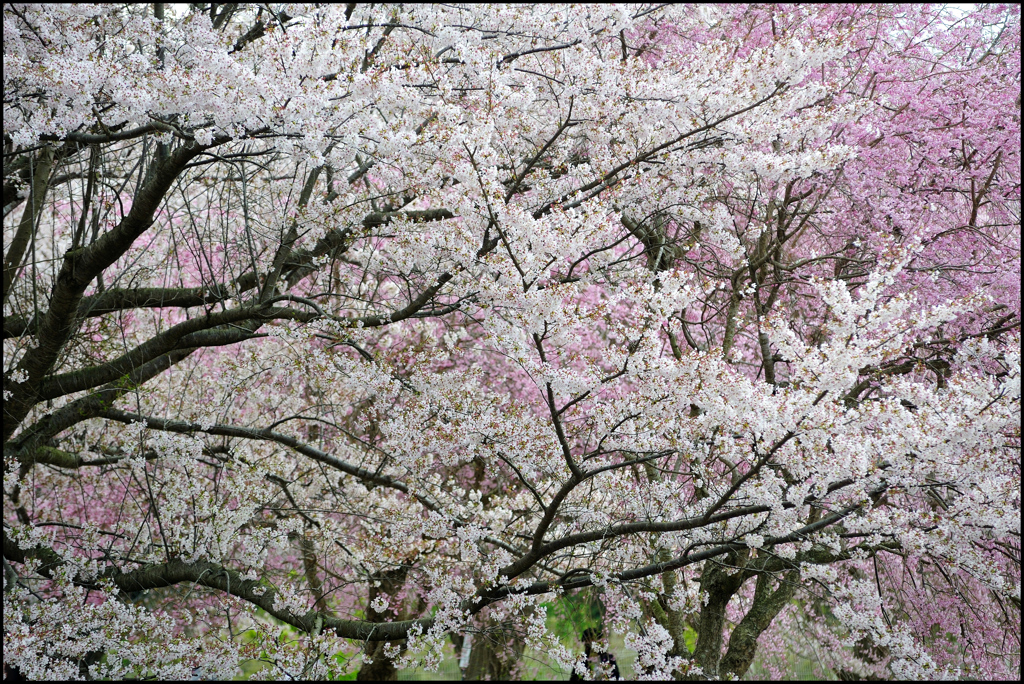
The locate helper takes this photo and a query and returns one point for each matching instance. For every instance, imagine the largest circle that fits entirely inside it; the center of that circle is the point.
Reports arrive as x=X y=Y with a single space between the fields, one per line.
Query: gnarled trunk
x=767 y=605
x=720 y=587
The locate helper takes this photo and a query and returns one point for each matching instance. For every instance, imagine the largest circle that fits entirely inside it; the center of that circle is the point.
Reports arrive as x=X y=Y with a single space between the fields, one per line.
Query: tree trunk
x=720 y=587
x=381 y=668
x=495 y=653
x=767 y=605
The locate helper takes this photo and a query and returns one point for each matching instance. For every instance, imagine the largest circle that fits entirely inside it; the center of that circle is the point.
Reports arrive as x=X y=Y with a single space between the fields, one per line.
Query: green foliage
x=570 y=614
x=338 y=664
x=690 y=638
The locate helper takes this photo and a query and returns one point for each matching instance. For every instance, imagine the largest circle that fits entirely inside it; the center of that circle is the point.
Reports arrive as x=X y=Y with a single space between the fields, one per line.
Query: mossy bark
x=720 y=587
x=767 y=605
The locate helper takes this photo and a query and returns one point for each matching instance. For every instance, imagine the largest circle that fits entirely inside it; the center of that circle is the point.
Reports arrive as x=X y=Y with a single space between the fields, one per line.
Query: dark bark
x=173 y=338
x=767 y=605
x=382 y=668
x=222 y=579
x=120 y=299
x=81 y=266
x=29 y=218
x=495 y=653
x=720 y=587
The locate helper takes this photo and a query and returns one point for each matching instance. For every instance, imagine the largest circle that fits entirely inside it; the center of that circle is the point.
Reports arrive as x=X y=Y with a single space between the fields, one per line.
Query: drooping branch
x=214 y=576
x=689 y=557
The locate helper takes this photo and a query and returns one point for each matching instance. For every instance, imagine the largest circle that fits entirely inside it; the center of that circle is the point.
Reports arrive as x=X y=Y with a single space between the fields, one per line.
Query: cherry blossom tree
x=334 y=333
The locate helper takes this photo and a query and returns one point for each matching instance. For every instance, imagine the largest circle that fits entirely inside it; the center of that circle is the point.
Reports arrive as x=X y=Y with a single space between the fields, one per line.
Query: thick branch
x=767 y=605
x=222 y=579
x=121 y=299
x=170 y=339
x=80 y=267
